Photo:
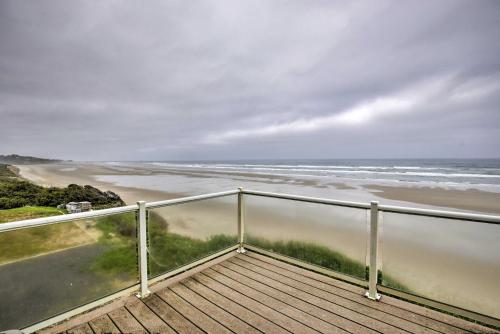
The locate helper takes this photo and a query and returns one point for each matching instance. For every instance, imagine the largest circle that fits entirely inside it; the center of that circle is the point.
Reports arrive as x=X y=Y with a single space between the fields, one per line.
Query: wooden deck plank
x=236 y=309
x=169 y=315
x=351 y=321
x=217 y=313
x=81 y=329
x=401 y=313
x=326 y=315
x=255 y=294
x=438 y=316
x=197 y=317
x=306 y=273
x=289 y=310
x=397 y=303
x=125 y=321
x=148 y=318
x=103 y=325
x=368 y=322
x=263 y=310
x=287 y=285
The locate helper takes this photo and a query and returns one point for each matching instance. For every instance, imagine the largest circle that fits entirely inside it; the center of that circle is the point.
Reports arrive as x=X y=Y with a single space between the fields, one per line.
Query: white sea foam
x=445 y=173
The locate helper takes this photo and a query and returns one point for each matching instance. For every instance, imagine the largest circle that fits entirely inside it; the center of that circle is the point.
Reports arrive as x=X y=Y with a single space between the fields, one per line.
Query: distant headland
x=15 y=159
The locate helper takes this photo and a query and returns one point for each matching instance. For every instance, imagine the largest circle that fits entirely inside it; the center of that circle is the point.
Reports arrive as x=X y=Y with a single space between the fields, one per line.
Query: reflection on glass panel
x=330 y=236
x=51 y=269
x=183 y=233
x=452 y=261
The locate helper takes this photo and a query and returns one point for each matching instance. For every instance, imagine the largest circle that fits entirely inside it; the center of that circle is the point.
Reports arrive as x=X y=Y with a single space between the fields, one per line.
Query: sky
x=216 y=80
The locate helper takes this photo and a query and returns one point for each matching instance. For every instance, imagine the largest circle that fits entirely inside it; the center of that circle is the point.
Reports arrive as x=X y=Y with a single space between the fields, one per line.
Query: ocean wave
x=405 y=173
x=333 y=172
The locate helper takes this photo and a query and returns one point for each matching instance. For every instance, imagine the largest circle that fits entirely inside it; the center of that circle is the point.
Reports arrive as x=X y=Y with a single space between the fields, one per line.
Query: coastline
x=46 y=176
x=60 y=175
x=409 y=250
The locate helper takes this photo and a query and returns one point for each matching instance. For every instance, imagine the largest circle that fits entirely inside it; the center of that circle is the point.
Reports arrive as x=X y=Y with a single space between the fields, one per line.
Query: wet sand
x=469 y=199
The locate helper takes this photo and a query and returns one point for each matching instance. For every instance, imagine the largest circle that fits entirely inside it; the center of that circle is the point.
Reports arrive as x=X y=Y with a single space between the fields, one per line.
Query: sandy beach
x=63 y=175
x=444 y=197
x=432 y=257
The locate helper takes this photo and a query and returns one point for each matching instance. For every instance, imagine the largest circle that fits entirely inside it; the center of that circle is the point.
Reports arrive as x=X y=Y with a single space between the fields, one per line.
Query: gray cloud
x=249 y=79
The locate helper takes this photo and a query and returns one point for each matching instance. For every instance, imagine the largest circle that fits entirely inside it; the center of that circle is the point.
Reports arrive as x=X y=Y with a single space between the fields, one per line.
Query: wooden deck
x=252 y=293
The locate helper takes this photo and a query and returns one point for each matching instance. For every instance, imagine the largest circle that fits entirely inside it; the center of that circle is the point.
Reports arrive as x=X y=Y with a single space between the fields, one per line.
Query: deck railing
x=142 y=235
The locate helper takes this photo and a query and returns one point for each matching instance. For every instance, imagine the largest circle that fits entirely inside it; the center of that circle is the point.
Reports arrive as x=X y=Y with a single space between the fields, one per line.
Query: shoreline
x=130 y=195
x=435 y=197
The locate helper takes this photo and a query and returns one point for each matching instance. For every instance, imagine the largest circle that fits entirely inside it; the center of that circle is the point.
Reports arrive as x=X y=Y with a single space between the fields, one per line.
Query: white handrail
x=181 y=200
x=318 y=200
x=106 y=212
x=476 y=217
x=66 y=218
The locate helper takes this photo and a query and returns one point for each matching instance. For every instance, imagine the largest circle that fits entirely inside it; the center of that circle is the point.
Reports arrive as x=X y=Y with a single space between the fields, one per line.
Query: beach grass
x=312 y=253
x=167 y=250
x=324 y=257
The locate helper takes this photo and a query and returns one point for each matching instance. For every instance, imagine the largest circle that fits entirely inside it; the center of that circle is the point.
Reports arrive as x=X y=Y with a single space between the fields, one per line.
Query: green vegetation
x=15 y=193
x=312 y=253
x=167 y=250
x=15 y=159
x=5 y=172
x=24 y=243
x=388 y=281
x=28 y=212
x=170 y=250
x=324 y=257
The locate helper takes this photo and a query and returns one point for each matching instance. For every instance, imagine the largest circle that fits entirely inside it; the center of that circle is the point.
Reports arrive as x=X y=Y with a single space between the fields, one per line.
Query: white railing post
x=241 y=221
x=373 y=273
x=143 y=256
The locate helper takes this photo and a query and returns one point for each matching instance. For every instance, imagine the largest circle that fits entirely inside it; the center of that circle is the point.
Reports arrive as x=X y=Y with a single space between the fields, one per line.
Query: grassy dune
x=25 y=243
x=167 y=250
x=28 y=212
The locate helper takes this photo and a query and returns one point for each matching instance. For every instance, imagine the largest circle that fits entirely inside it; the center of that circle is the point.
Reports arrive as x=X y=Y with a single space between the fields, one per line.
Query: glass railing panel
x=183 y=233
x=451 y=261
x=330 y=236
x=52 y=269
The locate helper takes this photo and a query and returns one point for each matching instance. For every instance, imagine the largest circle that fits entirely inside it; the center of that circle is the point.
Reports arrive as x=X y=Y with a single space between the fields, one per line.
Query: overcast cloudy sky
x=144 y=80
